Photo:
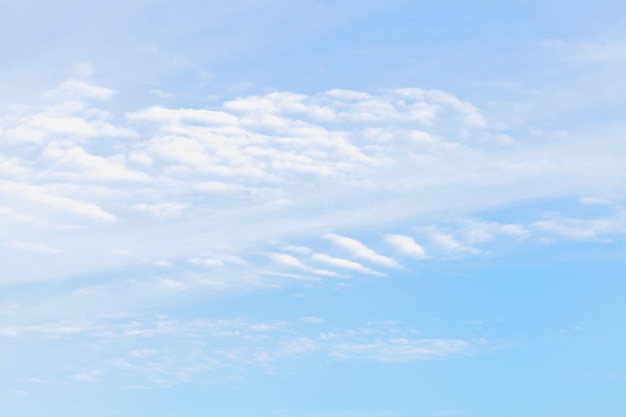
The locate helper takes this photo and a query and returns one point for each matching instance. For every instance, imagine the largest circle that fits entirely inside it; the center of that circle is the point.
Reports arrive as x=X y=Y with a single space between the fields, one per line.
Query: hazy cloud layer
x=161 y=351
x=88 y=190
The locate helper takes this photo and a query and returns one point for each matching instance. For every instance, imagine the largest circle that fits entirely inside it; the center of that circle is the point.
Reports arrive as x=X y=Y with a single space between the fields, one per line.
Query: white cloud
x=344 y=263
x=140 y=158
x=590 y=200
x=219 y=260
x=9 y=331
x=11 y=166
x=81 y=164
x=20 y=217
x=359 y=250
x=160 y=93
x=125 y=346
x=72 y=89
x=583 y=229
x=514 y=230
x=475 y=231
x=279 y=167
x=35 y=247
x=450 y=244
x=48 y=330
x=402 y=349
x=176 y=117
x=300 y=250
x=288 y=260
x=471 y=115
x=220 y=187
x=312 y=319
x=168 y=284
x=64 y=126
x=93 y=376
x=405 y=245
x=233 y=259
x=73 y=120
x=38 y=195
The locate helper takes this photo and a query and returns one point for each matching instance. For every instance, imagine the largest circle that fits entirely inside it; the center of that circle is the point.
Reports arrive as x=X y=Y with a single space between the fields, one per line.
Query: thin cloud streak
x=406 y=245
x=344 y=263
x=359 y=250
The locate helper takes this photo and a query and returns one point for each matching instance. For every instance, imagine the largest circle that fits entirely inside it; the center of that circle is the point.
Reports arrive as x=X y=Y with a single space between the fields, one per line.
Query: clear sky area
x=312 y=208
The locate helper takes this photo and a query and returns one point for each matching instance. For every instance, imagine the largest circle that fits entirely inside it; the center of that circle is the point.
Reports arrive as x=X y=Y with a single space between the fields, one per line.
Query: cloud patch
x=165 y=351
x=344 y=263
x=274 y=167
x=359 y=250
x=405 y=245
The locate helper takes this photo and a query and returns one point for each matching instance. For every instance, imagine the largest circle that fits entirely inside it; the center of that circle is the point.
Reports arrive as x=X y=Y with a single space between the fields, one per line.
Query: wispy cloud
x=39 y=195
x=92 y=376
x=359 y=250
x=601 y=52
x=402 y=350
x=450 y=244
x=583 y=229
x=288 y=260
x=344 y=263
x=35 y=247
x=77 y=89
x=158 y=350
x=161 y=210
x=276 y=167
x=405 y=245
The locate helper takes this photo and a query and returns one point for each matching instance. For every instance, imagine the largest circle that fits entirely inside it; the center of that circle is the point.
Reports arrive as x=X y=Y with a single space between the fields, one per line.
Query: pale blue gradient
x=197 y=199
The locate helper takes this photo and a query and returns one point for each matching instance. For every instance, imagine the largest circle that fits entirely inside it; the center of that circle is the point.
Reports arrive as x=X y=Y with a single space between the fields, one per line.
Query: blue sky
x=312 y=208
